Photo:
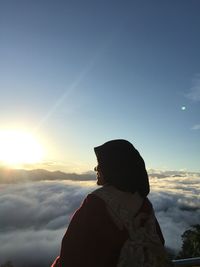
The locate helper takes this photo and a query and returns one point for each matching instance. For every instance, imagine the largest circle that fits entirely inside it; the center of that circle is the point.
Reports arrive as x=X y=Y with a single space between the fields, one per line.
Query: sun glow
x=19 y=147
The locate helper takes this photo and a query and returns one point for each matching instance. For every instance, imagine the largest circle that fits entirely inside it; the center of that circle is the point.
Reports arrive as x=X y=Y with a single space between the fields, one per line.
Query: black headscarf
x=122 y=166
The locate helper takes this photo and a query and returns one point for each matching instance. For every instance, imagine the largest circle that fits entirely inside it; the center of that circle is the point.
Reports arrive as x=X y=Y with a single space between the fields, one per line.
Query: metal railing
x=190 y=262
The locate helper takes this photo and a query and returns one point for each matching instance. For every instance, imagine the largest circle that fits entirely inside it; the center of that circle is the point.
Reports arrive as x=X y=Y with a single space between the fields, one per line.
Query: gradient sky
x=78 y=73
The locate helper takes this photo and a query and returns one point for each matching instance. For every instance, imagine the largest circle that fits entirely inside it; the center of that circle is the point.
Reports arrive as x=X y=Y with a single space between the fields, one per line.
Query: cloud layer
x=35 y=215
x=194 y=92
x=196 y=127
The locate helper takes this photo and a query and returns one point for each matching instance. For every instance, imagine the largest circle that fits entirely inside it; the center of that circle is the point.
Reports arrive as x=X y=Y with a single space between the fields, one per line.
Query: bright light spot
x=19 y=147
x=183 y=108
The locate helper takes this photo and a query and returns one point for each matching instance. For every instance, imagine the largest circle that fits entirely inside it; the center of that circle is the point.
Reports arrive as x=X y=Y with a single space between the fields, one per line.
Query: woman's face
x=100 y=178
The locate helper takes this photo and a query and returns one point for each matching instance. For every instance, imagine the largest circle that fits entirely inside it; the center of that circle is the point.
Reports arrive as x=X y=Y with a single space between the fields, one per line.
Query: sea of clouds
x=34 y=213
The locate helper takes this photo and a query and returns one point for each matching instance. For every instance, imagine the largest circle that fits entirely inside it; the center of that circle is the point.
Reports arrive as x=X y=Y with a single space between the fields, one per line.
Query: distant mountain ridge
x=8 y=176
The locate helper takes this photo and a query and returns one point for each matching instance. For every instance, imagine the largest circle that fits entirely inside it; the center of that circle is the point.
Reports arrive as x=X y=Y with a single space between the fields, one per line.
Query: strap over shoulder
x=143 y=248
x=122 y=206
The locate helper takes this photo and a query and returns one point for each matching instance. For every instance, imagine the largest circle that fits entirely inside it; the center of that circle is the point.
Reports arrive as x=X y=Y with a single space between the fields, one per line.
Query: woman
x=115 y=225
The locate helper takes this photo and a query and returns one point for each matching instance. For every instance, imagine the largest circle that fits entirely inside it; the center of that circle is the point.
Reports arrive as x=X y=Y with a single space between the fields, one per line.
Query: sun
x=19 y=147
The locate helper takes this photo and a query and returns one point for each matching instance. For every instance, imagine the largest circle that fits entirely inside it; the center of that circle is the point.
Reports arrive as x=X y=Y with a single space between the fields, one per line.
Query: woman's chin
x=100 y=182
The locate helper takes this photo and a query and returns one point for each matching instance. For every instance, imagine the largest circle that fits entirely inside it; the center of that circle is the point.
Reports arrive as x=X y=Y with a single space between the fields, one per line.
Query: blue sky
x=78 y=73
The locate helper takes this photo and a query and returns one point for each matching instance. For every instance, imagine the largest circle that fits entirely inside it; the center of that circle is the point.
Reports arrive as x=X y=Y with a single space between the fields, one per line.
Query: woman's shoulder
x=94 y=203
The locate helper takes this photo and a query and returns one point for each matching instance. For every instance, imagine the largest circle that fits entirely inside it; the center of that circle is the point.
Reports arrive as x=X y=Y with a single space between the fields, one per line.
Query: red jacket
x=92 y=238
